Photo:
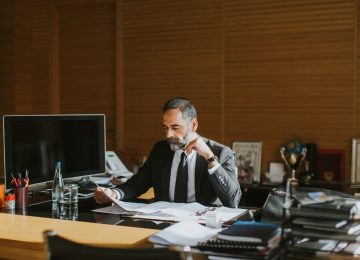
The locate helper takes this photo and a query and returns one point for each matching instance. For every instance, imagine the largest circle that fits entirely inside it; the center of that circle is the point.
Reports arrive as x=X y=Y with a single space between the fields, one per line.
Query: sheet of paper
x=229 y=213
x=127 y=206
x=185 y=233
x=100 y=180
x=170 y=211
x=180 y=214
x=157 y=206
x=113 y=209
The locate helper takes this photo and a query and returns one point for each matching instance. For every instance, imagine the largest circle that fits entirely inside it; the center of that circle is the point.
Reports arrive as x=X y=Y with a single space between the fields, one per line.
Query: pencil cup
x=22 y=197
x=70 y=195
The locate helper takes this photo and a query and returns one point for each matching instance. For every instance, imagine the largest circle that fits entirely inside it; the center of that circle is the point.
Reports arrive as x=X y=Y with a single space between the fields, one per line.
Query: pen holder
x=22 y=197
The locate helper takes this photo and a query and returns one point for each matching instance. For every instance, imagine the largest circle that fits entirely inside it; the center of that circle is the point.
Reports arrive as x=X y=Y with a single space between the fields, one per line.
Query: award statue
x=293 y=154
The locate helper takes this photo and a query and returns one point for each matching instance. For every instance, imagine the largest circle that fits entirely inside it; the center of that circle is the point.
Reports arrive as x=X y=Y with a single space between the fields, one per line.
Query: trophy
x=293 y=154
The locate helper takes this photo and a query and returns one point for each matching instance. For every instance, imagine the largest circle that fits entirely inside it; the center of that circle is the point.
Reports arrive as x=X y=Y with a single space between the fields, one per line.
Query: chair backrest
x=58 y=247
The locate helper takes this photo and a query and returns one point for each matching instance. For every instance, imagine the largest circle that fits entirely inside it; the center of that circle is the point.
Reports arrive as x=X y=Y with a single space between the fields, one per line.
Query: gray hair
x=186 y=107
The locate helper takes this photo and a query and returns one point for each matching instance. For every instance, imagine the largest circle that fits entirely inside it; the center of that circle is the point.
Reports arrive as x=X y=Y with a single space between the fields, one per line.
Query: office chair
x=58 y=248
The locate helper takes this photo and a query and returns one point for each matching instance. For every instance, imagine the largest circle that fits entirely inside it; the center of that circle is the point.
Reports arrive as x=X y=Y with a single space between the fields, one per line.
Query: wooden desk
x=21 y=236
x=149 y=195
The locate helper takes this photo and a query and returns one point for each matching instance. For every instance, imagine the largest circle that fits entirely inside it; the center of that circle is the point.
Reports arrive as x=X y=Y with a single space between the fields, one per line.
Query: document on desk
x=192 y=211
x=171 y=211
x=185 y=233
x=130 y=207
x=168 y=211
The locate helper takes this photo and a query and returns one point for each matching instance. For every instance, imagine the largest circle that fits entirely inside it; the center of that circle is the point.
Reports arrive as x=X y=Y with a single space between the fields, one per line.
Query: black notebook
x=226 y=245
x=249 y=232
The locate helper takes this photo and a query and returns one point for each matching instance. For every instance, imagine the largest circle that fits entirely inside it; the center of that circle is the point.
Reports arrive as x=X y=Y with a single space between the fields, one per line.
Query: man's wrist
x=117 y=194
x=212 y=167
x=209 y=156
x=212 y=164
x=211 y=161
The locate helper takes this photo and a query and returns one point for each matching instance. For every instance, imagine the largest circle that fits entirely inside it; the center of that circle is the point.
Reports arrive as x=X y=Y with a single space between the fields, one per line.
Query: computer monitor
x=36 y=142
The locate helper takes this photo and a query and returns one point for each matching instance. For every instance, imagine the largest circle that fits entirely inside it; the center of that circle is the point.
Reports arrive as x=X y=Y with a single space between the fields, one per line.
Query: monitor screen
x=36 y=142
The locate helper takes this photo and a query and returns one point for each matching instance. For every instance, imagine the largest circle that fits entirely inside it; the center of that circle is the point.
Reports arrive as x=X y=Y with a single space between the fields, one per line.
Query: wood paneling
x=23 y=57
x=40 y=31
x=289 y=73
x=171 y=48
x=86 y=60
x=7 y=49
x=269 y=70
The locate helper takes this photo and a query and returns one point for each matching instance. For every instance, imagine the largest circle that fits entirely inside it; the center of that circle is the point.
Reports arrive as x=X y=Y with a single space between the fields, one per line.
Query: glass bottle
x=58 y=184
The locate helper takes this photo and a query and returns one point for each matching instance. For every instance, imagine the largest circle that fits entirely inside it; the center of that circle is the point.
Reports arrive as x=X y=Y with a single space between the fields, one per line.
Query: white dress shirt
x=191 y=161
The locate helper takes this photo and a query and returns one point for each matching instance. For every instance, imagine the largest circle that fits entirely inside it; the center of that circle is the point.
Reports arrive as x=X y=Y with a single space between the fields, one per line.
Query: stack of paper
x=169 y=211
x=185 y=233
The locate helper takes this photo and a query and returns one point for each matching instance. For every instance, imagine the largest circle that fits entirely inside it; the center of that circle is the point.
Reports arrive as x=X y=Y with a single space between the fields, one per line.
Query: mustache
x=180 y=143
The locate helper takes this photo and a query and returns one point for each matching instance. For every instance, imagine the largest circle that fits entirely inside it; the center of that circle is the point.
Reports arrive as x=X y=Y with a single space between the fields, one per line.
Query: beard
x=177 y=143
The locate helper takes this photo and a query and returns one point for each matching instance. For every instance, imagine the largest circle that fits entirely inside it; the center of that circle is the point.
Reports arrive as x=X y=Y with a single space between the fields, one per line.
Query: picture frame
x=355 y=163
x=276 y=173
x=330 y=165
x=248 y=160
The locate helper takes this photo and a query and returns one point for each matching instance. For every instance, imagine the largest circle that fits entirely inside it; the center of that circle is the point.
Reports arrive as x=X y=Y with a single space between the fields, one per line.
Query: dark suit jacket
x=219 y=188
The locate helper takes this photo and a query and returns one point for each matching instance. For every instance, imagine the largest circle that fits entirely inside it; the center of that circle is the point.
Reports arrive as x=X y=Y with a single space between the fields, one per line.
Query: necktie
x=181 y=180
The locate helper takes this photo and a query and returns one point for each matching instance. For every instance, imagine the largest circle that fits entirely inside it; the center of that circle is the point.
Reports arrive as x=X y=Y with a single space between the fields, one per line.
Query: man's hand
x=101 y=198
x=198 y=144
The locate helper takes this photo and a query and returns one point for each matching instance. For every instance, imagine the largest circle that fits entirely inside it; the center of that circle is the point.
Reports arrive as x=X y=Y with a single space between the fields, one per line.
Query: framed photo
x=331 y=165
x=248 y=160
x=276 y=173
x=355 y=163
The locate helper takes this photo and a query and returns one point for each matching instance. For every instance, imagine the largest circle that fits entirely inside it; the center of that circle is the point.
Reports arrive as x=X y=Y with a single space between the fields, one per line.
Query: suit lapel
x=199 y=171
x=166 y=171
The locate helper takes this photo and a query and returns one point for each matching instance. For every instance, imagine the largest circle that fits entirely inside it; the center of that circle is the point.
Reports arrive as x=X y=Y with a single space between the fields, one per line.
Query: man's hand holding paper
x=104 y=195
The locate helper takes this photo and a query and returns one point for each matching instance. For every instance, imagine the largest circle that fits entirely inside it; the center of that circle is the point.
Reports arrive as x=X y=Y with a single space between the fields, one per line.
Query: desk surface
x=22 y=235
x=29 y=229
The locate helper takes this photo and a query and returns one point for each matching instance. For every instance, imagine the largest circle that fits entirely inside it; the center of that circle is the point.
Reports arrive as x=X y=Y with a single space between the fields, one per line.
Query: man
x=185 y=167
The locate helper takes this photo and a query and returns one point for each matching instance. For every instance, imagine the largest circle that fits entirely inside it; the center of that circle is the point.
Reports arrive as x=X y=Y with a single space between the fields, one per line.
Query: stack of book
x=247 y=239
x=328 y=226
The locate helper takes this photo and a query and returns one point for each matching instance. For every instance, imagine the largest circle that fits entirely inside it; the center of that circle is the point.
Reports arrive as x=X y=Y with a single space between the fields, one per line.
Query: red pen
x=14 y=183
x=14 y=180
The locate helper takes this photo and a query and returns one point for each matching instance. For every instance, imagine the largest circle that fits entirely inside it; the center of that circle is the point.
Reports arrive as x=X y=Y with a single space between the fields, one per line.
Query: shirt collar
x=191 y=155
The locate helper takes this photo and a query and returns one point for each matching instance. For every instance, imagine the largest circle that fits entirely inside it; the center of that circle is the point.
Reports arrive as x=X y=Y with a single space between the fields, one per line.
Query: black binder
x=239 y=249
x=226 y=245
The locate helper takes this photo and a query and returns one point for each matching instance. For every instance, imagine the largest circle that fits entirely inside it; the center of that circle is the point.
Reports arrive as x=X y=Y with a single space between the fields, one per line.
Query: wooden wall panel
x=86 y=49
x=23 y=57
x=171 y=48
x=40 y=31
x=7 y=16
x=289 y=73
x=269 y=70
x=356 y=124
